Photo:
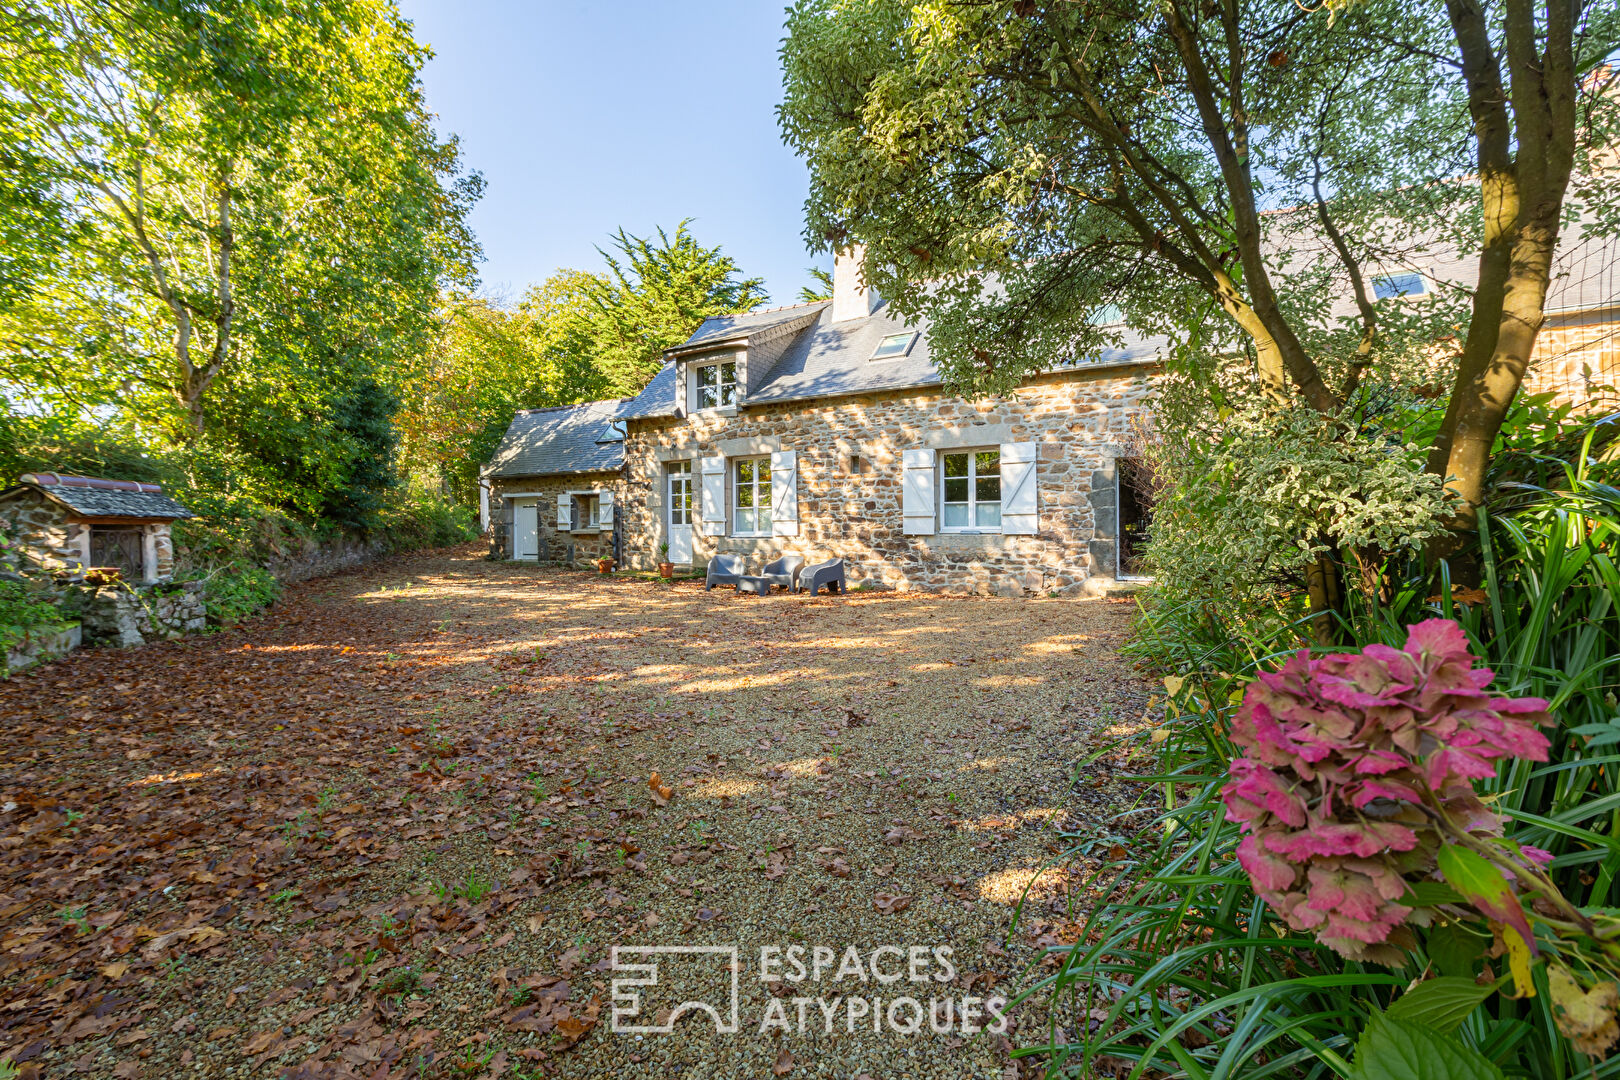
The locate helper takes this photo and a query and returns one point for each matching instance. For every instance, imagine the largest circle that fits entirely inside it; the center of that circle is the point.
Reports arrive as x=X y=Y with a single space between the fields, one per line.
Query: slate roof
x=833 y=359
x=718 y=328
x=656 y=399
x=99 y=502
x=558 y=441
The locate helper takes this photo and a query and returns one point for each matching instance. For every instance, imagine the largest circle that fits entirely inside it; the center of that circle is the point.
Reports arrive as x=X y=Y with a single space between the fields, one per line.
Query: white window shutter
x=604 y=510
x=917 y=492
x=1020 y=513
x=785 y=493
x=714 y=494
x=565 y=513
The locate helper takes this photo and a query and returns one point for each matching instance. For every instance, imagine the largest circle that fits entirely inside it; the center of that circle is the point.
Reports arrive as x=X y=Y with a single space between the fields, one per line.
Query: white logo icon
x=627 y=999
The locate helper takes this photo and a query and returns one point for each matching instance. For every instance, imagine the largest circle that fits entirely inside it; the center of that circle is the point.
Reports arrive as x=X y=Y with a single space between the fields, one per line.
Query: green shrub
x=427 y=520
x=233 y=594
x=1182 y=970
x=22 y=608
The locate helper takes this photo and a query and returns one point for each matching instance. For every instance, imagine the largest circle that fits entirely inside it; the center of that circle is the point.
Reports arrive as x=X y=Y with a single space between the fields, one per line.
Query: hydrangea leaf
x=1441 y=1004
x=1585 y=1017
x=1392 y=1049
x=1482 y=885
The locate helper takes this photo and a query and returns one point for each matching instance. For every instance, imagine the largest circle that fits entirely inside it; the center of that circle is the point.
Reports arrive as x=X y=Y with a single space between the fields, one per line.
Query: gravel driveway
x=394 y=826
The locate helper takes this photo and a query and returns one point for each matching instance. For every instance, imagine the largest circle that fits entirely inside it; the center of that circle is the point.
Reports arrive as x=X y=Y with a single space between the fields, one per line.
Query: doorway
x=680 y=512
x=1135 y=479
x=526 y=530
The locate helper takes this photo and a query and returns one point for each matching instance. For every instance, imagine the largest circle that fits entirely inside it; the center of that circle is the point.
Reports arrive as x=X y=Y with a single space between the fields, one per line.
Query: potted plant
x=666 y=569
x=604 y=565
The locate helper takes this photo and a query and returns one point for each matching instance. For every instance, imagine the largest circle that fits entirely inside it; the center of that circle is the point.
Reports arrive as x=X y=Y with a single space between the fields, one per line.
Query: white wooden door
x=680 y=513
x=525 y=530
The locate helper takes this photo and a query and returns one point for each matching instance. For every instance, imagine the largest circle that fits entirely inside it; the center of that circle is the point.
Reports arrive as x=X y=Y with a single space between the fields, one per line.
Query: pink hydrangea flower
x=1341 y=753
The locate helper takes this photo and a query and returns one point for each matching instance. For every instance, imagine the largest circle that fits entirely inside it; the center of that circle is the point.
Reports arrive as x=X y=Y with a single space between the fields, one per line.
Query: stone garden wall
x=850 y=481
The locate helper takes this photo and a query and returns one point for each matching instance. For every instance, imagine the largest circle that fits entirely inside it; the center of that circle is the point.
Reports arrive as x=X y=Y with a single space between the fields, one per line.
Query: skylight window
x=895 y=345
x=1401 y=284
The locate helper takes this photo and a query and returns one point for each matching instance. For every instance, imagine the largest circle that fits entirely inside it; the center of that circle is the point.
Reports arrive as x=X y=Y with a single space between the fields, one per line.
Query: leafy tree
x=652 y=298
x=1219 y=170
x=575 y=337
x=823 y=288
x=245 y=178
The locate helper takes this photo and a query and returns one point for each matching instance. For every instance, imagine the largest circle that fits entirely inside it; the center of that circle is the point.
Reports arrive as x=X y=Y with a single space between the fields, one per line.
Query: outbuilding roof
x=559 y=441
x=95 y=497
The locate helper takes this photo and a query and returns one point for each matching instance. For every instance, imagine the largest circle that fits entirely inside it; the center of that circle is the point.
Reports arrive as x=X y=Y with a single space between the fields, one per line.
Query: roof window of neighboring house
x=894 y=346
x=1405 y=283
x=1107 y=315
x=613 y=432
x=717 y=385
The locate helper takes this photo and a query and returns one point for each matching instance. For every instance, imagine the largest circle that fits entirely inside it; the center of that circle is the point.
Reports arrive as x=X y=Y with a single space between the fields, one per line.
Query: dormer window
x=613 y=432
x=894 y=346
x=1406 y=283
x=717 y=385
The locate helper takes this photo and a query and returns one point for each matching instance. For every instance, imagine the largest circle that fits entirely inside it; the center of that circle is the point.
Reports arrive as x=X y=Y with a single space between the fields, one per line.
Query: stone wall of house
x=578 y=547
x=48 y=540
x=850 y=481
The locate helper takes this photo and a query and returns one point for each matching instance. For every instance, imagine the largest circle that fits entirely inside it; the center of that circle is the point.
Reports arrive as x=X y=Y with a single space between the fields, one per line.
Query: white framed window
x=751 y=497
x=717 y=385
x=894 y=346
x=970 y=483
x=680 y=493
x=590 y=512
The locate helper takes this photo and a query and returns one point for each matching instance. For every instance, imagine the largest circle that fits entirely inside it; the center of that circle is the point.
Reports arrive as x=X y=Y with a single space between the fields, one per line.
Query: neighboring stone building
x=73 y=523
x=551 y=489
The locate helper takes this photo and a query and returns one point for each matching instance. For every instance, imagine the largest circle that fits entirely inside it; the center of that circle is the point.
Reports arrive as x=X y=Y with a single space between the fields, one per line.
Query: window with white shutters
x=1020 y=510
x=785 y=493
x=917 y=491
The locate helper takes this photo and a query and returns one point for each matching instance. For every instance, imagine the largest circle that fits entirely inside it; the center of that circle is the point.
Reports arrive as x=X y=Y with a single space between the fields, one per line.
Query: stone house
x=823 y=430
x=550 y=491
x=73 y=523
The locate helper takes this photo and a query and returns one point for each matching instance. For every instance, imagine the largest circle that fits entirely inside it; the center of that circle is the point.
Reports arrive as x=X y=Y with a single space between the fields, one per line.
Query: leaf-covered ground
x=391 y=827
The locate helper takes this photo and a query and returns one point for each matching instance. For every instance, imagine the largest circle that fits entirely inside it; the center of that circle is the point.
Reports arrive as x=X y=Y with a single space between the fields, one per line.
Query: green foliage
x=234 y=593
x=256 y=222
x=823 y=289
x=23 y=607
x=1194 y=973
x=577 y=336
x=1392 y=1049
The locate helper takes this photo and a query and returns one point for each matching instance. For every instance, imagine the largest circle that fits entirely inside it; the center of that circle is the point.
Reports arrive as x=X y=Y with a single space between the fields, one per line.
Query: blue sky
x=587 y=116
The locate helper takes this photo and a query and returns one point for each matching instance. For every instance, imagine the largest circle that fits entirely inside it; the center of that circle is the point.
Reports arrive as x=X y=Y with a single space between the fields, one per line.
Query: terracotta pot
x=666 y=569
x=604 y=566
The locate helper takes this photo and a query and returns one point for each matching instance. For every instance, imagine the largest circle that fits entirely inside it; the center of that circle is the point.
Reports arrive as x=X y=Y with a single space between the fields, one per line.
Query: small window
x=895 y=345
x=680 y=493
x=1405 y=284
x=972 y=490
x=751 y=489
x=613 y=432
x=717 y=385
x=590 y=509
x=1107 y=315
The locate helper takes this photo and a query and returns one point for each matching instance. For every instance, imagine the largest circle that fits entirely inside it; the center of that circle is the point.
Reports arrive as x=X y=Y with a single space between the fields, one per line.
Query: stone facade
x=120 y=616
x=46 y=536
x=850 y=481
x=578 y=547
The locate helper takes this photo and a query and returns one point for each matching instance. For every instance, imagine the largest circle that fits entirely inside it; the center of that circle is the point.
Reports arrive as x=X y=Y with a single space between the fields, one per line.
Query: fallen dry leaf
x=890 y=903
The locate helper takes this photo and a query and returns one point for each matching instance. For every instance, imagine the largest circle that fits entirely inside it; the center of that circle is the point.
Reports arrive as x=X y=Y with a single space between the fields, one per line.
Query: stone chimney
x=852 y=298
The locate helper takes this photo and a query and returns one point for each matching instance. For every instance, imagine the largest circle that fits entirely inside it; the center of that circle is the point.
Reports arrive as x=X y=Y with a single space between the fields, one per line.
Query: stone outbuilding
x=551 y=492
x=74 y=523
